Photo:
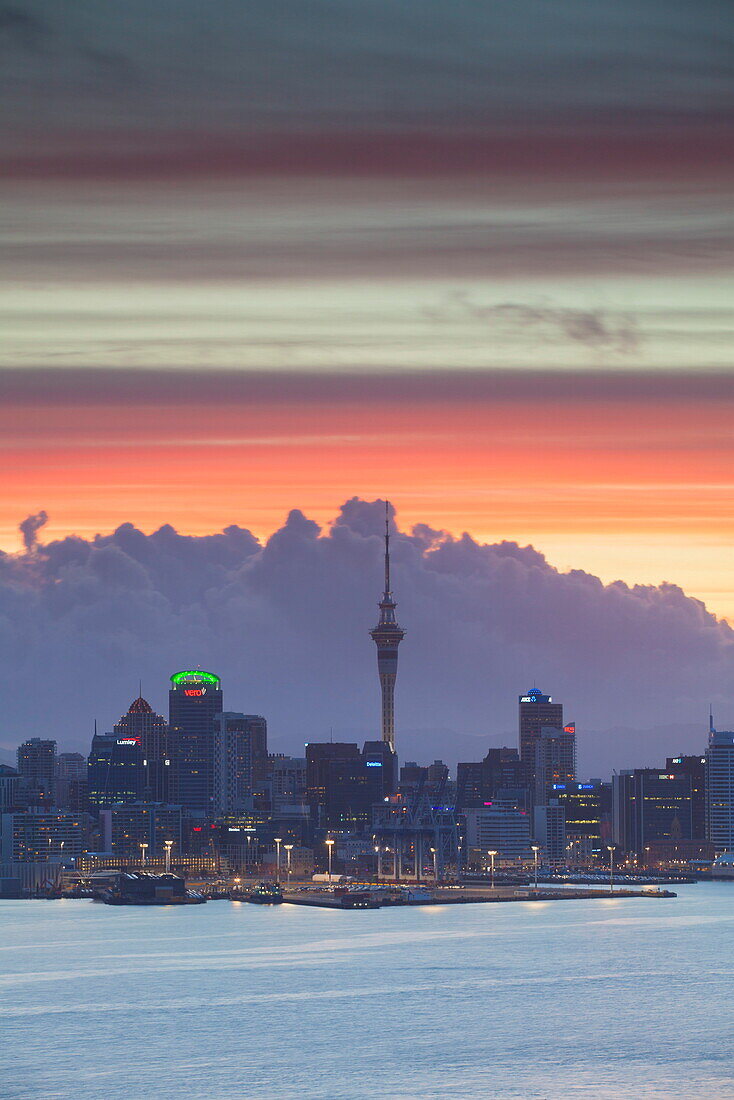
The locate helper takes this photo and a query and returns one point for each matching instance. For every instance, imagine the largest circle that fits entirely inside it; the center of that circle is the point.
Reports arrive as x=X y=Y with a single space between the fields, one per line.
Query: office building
x=41 y=836
x=387 y=636
x=343 y=783
x=286 y=781
x=320 y=758
x=195 y=699
x=9 y=780
x=695 y=768
x=126 y=828
x=587 y=809
x=411 y=776
x=550 y=831
x=114 y=771
x=536 y=710
x=720 y=790
x=500 y=775
x=650 y=805
x=37 y=771
x=353 y=787
x=379 y=755
x=241 y=837
x=501 y=827
x=555 y=760
x=240 y=744
x=150 y=730
x=71 y=782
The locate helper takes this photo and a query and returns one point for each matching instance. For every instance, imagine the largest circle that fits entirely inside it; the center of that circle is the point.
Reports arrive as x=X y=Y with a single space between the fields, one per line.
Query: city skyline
x=366 y=527
x=159 y=601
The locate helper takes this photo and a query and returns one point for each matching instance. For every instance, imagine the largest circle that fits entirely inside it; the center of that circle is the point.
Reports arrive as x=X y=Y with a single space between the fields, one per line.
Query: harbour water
x=602 y=999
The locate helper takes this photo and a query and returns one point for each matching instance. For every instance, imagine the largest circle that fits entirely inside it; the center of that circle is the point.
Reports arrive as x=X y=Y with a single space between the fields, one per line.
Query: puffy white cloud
x=286 y=626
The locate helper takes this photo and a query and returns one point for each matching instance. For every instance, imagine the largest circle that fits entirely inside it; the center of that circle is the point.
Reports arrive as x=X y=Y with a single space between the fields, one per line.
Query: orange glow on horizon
x=641 y=493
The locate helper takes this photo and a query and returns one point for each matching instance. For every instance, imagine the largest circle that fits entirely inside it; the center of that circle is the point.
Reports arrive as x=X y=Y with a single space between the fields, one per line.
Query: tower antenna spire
x=387 y=547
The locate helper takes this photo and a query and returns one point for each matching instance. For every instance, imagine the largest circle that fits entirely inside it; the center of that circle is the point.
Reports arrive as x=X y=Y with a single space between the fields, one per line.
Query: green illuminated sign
x=194 y=676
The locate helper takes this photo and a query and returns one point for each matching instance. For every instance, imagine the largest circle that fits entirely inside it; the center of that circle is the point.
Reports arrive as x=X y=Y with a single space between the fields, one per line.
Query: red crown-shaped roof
x=140 y=706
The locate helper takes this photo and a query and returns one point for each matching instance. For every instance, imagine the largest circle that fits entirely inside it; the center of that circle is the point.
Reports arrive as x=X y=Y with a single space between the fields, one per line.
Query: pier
x=325 y=899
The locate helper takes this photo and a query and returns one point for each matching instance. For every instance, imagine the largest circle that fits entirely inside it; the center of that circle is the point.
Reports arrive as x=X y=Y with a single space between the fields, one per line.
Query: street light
x=535 y=848
x=491 y=856
x=288 y=850
x=278 y=842
x=168 y=844
x=330 y=846
x=435 y=864
x=611 y=848
x=143 y=850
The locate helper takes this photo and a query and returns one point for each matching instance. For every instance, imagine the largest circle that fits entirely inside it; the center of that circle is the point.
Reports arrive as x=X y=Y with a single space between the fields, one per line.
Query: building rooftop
x=140 y=706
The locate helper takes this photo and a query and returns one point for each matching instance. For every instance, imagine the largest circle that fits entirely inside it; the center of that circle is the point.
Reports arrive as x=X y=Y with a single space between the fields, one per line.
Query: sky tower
x=387 y=636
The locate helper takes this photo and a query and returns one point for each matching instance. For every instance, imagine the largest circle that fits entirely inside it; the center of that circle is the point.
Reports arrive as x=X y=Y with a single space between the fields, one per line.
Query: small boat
x=266 y=893
x=360 y=899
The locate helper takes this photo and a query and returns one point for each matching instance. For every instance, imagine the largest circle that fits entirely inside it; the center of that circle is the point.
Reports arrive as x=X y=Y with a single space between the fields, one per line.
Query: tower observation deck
x=387 y=636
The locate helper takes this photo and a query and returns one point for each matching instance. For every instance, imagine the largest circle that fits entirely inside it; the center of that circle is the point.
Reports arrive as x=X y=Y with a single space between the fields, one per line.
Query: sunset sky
x=475 y=258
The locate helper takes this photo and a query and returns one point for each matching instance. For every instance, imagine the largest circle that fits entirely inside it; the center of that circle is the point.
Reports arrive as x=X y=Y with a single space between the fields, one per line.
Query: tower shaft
x=387 y=636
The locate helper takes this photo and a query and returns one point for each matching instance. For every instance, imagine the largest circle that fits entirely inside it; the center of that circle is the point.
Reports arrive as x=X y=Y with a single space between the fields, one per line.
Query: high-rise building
x=587 y=814
x=550 y=830
x=37 y=771
x=114 y=771
x=650 y=805
x=536 y=711
x=500 y=775
x=126 y=828
x=387 y=636
x=71 y=782
x=9 y=780
x=240 y=743
x=286 y=781
x=343 y=783
x=141 y=723
x=695 y=768
x=195 y=699
x=555 y=760
x=501 y=827
x=412 y=775
x=320 y=759
x=353 y=788
x=378 y=754
x=720 y=790
x=41 y=836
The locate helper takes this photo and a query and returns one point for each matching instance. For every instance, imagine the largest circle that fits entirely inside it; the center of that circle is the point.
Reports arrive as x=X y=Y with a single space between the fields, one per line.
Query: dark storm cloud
x=285 y=625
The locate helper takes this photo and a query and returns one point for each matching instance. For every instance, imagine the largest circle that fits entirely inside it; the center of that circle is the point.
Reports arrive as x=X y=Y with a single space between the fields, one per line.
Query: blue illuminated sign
x=374 y=763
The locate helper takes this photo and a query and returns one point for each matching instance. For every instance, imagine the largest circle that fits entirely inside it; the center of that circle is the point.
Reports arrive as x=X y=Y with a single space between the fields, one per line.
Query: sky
x=476 y=258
